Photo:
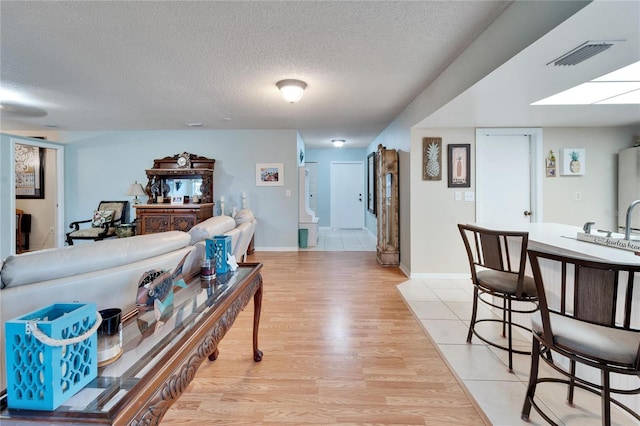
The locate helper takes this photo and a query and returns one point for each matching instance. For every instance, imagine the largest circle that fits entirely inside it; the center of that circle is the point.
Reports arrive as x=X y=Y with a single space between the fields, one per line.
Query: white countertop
x=562 y=239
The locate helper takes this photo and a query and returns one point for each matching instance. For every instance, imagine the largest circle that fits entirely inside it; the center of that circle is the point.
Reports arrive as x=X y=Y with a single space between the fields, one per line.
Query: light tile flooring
x=330 y=239
x=443 y=307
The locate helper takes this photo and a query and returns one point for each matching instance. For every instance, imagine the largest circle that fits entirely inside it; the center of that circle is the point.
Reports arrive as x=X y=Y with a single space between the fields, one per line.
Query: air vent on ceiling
x=582 y=52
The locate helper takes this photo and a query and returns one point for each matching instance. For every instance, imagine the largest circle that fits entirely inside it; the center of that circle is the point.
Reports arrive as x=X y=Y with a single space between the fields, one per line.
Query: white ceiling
x=158 y=65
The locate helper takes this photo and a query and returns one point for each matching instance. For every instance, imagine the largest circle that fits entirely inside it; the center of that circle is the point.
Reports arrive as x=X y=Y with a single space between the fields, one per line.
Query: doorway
x=508 y=182
x=347 y=194
x=47 y=217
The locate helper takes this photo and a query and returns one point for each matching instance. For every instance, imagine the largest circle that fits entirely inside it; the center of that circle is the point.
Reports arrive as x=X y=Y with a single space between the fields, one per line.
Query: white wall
x=598 y=187
x=436 y=245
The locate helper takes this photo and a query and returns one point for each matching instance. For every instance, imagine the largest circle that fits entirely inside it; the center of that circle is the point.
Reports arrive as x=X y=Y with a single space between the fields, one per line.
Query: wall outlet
x=578 y=196
x=469 y=196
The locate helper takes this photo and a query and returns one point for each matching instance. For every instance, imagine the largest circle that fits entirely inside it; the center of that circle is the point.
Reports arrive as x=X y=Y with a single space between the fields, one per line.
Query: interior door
x=504 y=177
x=347 y=194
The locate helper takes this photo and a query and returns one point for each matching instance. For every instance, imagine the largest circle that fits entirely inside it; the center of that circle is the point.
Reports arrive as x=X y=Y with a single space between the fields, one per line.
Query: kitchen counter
x=562 y=239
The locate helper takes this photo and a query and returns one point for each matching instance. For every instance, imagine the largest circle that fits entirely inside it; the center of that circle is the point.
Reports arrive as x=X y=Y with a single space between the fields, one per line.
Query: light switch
x=288 y=193
x=458 y=196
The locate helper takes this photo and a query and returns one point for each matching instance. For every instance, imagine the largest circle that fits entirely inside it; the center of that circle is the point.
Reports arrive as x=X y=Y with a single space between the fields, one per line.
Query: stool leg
x=510 y=338
x=606 y=399
x=472 y=323
x=533 y=379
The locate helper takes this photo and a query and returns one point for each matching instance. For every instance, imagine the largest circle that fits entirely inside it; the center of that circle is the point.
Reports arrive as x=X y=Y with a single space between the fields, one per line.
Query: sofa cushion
x=62 y=262
x=243 y=216
x=100 y=217
x=217 y=225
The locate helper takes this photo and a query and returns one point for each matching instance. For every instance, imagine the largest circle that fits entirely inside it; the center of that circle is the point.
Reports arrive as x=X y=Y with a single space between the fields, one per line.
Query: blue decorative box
x=42 y=376
x=218 y=248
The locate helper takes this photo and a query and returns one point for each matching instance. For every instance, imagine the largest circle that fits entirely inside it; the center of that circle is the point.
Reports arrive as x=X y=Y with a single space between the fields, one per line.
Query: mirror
x=185 y=187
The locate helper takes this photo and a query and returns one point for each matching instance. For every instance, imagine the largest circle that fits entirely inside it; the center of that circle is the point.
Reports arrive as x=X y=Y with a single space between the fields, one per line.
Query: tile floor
x=330 y=239
x=443 y=307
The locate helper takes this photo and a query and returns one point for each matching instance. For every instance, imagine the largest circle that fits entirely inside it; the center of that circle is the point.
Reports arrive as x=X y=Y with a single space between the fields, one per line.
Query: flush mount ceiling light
x=337 y=142
x=291 y=90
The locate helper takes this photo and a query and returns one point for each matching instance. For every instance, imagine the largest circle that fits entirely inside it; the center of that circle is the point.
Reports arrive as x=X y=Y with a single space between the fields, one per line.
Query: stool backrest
x=504 y=251
x=601 y=293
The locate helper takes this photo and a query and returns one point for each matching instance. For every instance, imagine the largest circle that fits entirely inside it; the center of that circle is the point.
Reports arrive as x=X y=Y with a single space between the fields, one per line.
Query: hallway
x=330 y=239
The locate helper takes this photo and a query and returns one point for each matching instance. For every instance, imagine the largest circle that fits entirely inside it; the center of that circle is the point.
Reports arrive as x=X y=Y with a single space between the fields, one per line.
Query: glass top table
x=160 y=355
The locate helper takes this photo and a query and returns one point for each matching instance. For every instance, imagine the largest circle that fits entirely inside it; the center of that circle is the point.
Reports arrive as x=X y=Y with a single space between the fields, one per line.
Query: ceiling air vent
x=582 y=52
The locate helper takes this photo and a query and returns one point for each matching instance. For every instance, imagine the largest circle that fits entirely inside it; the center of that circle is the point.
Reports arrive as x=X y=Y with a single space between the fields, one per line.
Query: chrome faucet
x=627 y=226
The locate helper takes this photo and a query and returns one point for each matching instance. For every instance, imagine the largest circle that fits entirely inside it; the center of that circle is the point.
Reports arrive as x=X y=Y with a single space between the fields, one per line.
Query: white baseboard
x=434 y=276
x=294 y=248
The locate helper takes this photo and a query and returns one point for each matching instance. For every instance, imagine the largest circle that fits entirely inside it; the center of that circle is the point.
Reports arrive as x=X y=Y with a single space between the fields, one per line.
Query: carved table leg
x=257 y=307
x=214 y=355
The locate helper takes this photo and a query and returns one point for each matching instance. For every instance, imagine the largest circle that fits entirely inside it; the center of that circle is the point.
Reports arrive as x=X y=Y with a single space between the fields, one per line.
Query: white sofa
x=105 y=272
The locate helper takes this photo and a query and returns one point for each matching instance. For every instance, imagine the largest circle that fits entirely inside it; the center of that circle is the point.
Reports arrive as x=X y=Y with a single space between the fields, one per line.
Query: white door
x=347 y=194
x=506 y=178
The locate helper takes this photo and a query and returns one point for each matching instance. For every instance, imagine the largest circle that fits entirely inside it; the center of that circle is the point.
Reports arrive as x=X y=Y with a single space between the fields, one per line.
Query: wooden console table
x=152 y=218
x=160 y=356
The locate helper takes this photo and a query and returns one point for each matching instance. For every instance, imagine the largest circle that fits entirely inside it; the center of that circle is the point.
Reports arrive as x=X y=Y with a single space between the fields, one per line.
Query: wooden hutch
x=185 y=177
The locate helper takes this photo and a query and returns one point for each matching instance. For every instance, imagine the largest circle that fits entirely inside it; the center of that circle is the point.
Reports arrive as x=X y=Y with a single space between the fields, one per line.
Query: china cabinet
x=387 y=247
x=180 y=194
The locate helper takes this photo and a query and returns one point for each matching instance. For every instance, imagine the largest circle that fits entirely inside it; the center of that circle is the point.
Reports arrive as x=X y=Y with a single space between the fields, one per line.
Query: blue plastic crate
x=218 y=248
x=41 y=376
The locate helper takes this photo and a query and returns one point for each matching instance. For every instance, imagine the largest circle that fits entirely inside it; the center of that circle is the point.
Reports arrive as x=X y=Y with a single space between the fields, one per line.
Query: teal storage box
x=219 y=248
x=43 y=373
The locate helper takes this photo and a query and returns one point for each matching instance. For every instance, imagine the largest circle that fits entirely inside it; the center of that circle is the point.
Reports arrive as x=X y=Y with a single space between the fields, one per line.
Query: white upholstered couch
x=107 y=272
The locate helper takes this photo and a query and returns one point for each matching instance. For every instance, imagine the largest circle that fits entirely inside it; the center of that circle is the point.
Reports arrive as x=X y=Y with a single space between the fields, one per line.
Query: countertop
x=562 y=239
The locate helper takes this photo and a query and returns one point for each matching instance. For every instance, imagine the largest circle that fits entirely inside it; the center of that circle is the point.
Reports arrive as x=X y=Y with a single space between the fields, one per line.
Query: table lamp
x=135 y=189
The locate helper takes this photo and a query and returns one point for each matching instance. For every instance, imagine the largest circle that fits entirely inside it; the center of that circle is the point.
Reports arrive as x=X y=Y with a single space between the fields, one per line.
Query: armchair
x=106 y=217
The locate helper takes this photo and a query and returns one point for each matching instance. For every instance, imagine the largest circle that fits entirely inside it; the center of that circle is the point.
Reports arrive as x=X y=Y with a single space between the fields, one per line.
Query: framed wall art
x=459 y=165
x=269 y=174
x=29 y=165
x=573 y=162
x=371 y=183
x=431 y=158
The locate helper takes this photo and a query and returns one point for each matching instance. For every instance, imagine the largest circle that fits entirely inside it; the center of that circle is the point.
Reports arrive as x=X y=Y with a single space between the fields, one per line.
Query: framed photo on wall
x=29 y=165
x=459 y=165
x=269 y=174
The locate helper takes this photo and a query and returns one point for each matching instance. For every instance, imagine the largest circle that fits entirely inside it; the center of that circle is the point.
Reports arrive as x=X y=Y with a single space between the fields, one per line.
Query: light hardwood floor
x=340 y=347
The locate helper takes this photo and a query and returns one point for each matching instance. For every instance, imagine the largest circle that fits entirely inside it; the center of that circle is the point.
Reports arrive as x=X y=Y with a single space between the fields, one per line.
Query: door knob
x=527 y=213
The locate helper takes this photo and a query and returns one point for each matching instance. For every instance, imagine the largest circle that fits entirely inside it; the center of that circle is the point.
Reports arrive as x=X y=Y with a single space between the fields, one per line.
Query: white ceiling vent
x=582 y=52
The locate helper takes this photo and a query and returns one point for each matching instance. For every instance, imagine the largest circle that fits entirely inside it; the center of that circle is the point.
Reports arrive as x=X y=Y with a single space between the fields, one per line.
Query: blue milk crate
x=218 y=248
x=41 y=376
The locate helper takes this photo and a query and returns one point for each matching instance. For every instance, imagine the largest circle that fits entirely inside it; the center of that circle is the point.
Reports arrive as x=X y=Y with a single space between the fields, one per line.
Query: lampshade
x=136 y=190
x=337 y=142
x=291 y=90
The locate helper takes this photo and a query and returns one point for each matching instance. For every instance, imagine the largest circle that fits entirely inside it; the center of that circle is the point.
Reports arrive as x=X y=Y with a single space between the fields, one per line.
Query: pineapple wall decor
x=573 y=162
x=431 y=158
x=459 y=165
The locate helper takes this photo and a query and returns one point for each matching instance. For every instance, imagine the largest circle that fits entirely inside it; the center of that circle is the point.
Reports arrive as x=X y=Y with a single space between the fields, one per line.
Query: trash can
x=303 y=236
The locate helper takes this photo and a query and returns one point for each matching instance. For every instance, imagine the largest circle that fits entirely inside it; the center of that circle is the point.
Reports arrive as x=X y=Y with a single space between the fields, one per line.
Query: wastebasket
x=303 y=236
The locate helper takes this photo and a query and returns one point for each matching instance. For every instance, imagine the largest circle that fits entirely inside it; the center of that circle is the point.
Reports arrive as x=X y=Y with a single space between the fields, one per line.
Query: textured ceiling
x=158 y=65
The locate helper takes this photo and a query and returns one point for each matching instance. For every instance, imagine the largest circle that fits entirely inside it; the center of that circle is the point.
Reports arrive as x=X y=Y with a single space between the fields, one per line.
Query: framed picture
x=573 y=162
x=371 y=183
x=459 y=159
x=177 y=199
x=269 y=174
x=431 y=158
x=29 y=171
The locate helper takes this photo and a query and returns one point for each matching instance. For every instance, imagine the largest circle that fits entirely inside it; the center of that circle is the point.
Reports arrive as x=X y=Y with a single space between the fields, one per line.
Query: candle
x=221 y=198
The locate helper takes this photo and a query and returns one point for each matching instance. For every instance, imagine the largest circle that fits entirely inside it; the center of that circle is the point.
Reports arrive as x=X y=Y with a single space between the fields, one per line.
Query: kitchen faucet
x=627 y=227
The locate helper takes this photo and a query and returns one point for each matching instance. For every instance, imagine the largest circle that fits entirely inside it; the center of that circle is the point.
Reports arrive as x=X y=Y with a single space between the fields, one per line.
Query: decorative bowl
x=125 y=230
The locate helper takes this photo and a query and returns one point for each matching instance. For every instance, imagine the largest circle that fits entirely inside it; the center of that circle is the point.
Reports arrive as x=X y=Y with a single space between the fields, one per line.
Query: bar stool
x=586 y=316
x=497 y=260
